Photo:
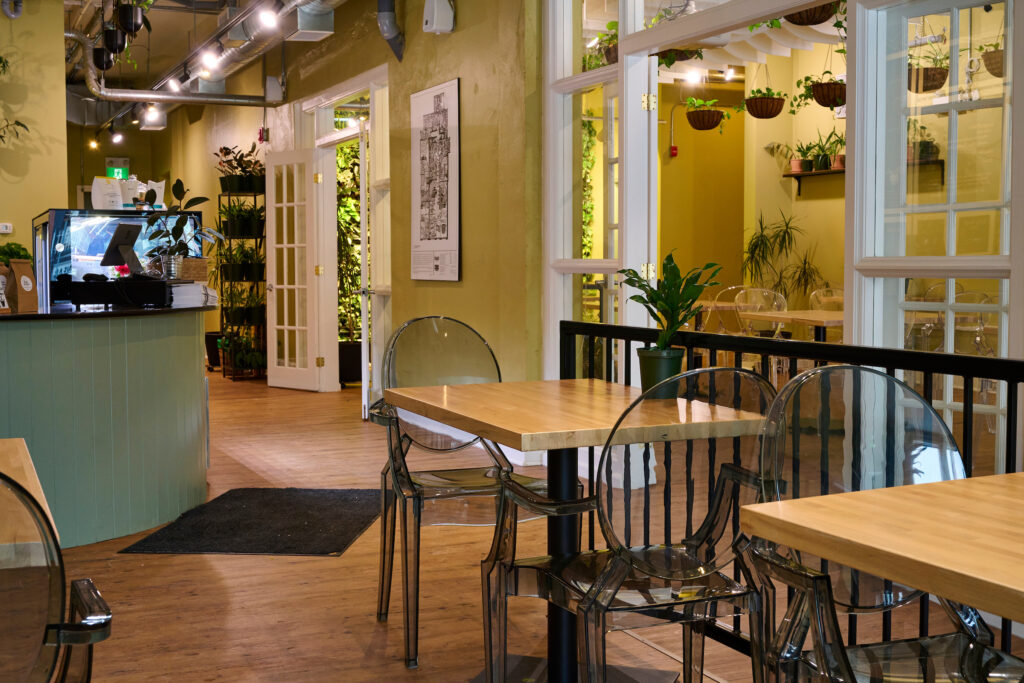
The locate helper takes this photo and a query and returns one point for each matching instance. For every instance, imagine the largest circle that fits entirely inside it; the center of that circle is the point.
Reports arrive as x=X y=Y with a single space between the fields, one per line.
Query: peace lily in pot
x=671 y=302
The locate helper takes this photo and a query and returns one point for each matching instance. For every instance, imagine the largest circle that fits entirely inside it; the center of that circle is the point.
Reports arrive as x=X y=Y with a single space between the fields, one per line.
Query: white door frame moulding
x=347 y=88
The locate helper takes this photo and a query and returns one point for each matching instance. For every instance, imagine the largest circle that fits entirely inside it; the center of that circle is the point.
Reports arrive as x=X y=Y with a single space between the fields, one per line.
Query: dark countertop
x=68 y=312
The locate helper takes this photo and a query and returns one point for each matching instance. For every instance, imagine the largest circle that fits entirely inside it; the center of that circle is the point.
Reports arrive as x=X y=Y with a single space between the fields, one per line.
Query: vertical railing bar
x=627 y=496
x=647 y=494
x=967 y=442
x=590 y=357
x=1010 y=459
x=627 y=365
x=668 y=493
x=890 y=478
x=608 y=360
x=927 y=391
x=855 y=481
x=590 y=492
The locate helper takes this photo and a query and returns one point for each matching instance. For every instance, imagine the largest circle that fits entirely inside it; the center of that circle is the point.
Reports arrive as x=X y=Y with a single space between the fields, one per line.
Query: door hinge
x=648 y=271
x=319 y=361
x=318 y=270
x=648 y=101
x=318 y=178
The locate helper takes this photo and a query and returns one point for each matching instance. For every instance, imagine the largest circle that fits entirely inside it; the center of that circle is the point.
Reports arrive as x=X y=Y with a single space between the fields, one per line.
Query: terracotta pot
x=993 y=62
x=704 y=119
x=611 y=53
x=796 y=165
x=831 y=94
x=839 y=162
x=926 y=78
x=813 y=16
x=765 y=107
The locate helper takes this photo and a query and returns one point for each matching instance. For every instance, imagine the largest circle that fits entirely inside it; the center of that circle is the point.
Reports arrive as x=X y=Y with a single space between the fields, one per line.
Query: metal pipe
x=12 y=8
x=388 y=24
x=125 y=95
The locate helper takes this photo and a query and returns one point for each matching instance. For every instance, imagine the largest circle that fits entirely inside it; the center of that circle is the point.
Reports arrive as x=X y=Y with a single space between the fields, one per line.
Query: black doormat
x=269 y=522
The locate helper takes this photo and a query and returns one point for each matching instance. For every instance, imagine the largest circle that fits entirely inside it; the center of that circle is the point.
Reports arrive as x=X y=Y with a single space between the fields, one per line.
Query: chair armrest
x=539 y=505
x=90 y=616
x=381 y=413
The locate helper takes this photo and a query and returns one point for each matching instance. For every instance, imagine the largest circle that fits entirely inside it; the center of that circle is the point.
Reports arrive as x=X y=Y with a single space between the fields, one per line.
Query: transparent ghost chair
x=828 y=299
x=671 y=477
x=759 y=300
x=36 y=643
x=974 y=324
x=721 y=317
x=836 y=429
x=430 y=351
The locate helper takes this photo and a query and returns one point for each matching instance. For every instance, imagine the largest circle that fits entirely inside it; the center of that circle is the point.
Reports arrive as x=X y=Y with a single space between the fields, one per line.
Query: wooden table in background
x=560 y=416
x=962 y=540
x=819 y=320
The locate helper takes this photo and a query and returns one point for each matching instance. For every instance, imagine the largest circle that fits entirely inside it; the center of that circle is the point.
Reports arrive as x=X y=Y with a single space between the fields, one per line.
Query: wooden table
x=560 y=416
x=819 y=320
x=963 y=540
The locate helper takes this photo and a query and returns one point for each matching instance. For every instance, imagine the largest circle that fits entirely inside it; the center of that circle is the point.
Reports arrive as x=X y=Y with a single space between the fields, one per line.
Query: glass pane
x=279 y=265
x=927 y=137
x=279 y=224
x=928 y=74
x=290 y=358
x=289 y=182
x=595 y=299
x=289 y=274
x=979 y=172
x=290 y=318
x=279 y=183
x=300 y=224
x=926 y=234
x=280 y=354
x=289 y=223
x=978 y=232
x=598 y=31
x=351 y=112
x=300 y=349
x=982 y=39
x=300 y=182
x=280 y=308
x=300 y=265
x=591 y=171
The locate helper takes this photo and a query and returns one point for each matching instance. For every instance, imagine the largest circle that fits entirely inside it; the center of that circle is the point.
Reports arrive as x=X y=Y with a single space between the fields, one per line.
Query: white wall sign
x=435 y=182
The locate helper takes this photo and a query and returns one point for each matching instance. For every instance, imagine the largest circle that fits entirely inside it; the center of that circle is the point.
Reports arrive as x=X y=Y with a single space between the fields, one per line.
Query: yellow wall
x=33 y=169
x=701 y=190
x=495 y=51
x=84 y=164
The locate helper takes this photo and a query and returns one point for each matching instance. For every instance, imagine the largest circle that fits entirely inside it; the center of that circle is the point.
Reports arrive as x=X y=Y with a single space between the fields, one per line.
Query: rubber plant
x=672 y=302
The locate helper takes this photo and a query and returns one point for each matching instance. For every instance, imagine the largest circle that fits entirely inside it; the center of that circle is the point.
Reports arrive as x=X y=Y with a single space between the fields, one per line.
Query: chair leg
x=693 y=651
x=590 y=635
x=387 y=544
x=495 y=602
x=411 y=576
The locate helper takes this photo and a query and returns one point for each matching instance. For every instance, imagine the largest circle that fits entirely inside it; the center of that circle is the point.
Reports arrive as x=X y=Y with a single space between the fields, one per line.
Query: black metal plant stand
x=243 y=292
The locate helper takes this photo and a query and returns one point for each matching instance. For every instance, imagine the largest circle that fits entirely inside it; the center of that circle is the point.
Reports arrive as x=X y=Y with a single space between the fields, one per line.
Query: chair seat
x=565 y=581
x=933 y=659
x=474 y=481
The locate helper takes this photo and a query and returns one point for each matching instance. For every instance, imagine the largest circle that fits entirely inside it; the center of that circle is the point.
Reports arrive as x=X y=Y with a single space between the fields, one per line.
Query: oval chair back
x=843 y=428
x=757 y=300
x=430 y=351
x=674 y=471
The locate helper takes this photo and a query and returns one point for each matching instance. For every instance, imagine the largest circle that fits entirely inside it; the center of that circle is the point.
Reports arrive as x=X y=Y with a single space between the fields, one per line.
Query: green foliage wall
x=349 y=257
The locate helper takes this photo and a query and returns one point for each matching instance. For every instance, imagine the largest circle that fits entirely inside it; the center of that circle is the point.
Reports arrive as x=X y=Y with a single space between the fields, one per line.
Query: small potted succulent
x=167 y=230
x=765 y=103
x=927 y=69
x=671 y=302
x=992 y=56
x=704 y=115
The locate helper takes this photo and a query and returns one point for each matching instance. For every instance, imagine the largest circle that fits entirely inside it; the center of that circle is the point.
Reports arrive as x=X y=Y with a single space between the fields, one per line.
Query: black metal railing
x=588 y=350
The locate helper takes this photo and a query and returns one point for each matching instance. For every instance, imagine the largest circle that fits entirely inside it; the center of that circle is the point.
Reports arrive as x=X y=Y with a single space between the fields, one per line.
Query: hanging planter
x=611 y=53
x=115 y=40
x=829 y=94
x=669 y=57
x=993 y=60
x=922 y=79
x=764 y=107
x=813 y=16
x=704 y=119
x=102 y=58
x=130 y=18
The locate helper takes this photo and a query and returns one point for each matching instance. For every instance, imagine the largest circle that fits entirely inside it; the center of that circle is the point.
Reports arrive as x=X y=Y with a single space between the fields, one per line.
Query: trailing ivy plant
x=589 y=161
x=349 y=257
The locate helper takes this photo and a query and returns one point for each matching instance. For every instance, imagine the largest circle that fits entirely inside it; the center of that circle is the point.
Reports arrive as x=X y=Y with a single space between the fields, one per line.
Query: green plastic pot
x=657 y=365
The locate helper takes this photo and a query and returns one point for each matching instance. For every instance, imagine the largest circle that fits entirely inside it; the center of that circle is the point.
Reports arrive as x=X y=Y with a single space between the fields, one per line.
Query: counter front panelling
x=114 y=412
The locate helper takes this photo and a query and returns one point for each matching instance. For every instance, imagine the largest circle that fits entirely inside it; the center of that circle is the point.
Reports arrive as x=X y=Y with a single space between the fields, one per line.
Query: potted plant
x=784 y=154
x=992 y=56
x=240 y=170
x=349 y=266
x=814 y=15
x=608 y=42
x=671 y=302
x=805 y=155
x=927 y=69
x=703 y=115
x=167 y=229
x=131 y=15
x=768 y=258
x=765 y=103
x=835 y=143
x=821 y=153
x=114 y=39
x=242 y=221
x=921 y=145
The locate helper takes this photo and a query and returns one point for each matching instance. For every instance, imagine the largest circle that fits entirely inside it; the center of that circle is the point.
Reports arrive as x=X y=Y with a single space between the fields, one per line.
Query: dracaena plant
x=167 y=227
x=672 y=300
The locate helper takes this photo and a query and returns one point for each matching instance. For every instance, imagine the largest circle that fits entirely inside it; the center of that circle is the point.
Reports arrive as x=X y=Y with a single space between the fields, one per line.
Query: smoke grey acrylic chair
x=424 y=352
x=667 y=490
x=36 y=643
x=842 y=428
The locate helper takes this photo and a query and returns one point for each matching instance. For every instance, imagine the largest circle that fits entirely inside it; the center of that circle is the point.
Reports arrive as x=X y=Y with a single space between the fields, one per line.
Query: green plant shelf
x=941 y=163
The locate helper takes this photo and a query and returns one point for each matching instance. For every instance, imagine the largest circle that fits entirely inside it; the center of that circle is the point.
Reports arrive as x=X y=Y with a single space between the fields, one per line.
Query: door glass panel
x=979 y=171
x=927 y=156
x=926 y=234
x=300 y=349
x=279 y=356
x=595 y=220
x=978 y=233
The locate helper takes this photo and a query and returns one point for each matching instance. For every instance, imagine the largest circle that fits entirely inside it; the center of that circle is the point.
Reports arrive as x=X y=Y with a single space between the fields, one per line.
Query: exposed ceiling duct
x=388 y=24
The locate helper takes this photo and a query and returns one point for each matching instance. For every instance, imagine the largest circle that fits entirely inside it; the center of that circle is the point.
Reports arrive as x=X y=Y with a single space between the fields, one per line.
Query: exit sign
x=117 y=172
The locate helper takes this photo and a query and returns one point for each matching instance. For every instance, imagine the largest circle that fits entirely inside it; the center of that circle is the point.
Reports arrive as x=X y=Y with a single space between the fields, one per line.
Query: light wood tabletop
x=962 y=540
x=573 y=413
x=815 y=318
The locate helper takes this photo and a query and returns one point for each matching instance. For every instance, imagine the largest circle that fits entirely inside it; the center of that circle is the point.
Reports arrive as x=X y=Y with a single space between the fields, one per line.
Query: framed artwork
x=436 y=217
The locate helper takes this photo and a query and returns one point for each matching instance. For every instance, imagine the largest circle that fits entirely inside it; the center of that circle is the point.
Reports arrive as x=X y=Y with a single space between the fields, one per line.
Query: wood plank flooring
x=267 y=618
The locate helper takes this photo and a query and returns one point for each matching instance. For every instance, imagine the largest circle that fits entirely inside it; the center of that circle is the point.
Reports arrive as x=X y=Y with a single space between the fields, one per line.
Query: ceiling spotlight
x=211 y=56
x=730 y=74
x=135 y=119
x=94 y=144
x=593 y=42
x=268 y=15
x=173 y=84
x=204 y=73
x=152 y=113
x=116 y=136
x=692 y=76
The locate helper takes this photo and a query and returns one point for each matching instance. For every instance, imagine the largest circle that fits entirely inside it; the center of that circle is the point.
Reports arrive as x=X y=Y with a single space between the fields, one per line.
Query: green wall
x=33 y=169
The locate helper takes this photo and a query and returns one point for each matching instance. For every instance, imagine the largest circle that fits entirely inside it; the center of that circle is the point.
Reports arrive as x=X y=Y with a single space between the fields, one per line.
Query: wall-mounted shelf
x=941 y=163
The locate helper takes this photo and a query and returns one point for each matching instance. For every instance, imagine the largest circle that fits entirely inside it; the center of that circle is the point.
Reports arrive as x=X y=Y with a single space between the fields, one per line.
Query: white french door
x=292 y=359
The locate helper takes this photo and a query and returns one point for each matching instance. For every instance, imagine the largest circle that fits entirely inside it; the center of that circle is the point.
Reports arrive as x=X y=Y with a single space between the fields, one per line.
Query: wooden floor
x=273 y=618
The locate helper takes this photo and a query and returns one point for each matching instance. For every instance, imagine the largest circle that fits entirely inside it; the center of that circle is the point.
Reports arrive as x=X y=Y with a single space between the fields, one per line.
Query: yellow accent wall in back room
x=33 y=169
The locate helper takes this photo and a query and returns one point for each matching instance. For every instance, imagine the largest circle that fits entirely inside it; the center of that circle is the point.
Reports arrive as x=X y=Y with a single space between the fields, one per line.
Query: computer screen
x=81 y=237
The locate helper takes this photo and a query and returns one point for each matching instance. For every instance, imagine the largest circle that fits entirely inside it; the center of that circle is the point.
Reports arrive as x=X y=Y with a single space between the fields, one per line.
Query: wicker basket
x=704 y=119
x=611 y=54
x=993 y=62
x=813 y=16
x=765 y=107
x=196 y=269
x=678 y=55
x=926 y=78
x=831 y=94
